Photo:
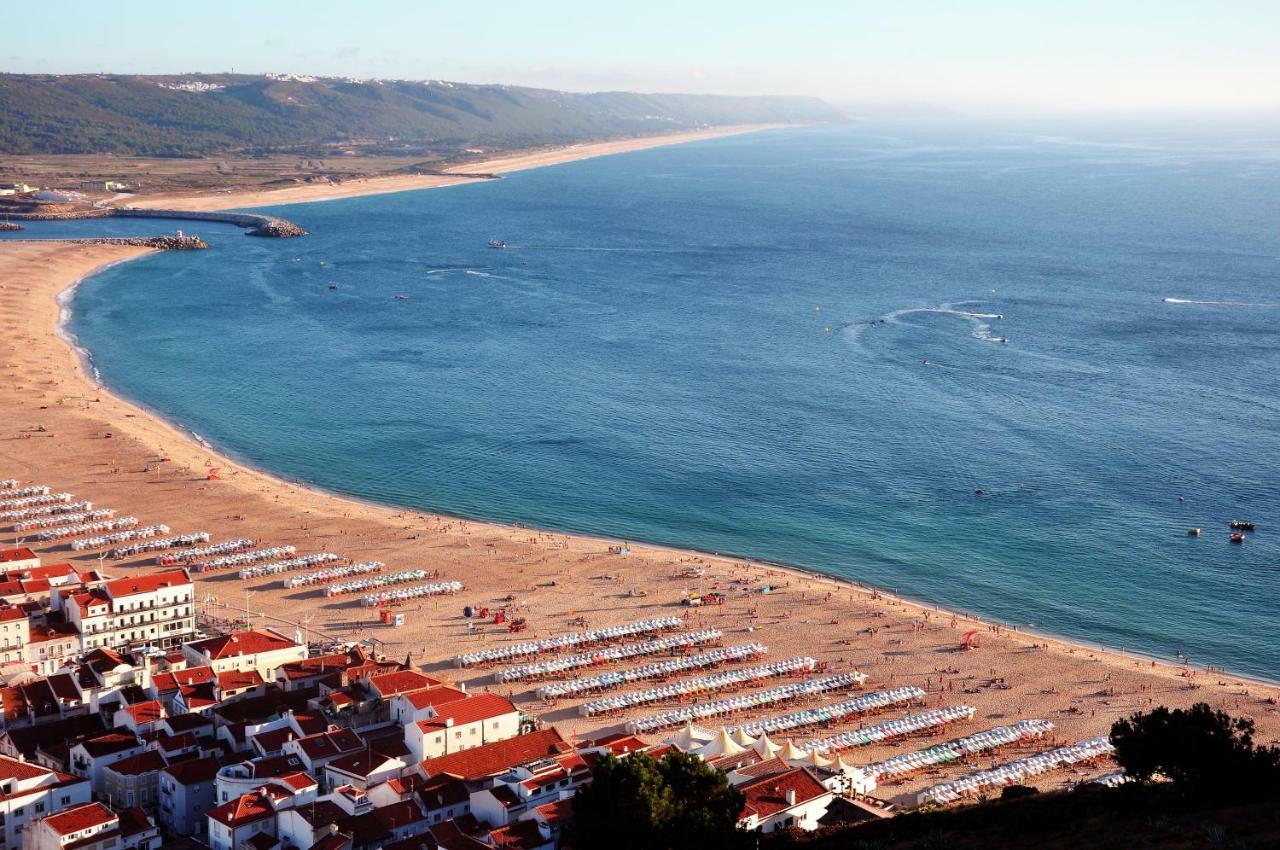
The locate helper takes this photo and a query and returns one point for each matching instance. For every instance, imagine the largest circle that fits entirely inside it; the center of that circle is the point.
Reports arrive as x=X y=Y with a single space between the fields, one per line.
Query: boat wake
x=1221 y=303
x=980 y=322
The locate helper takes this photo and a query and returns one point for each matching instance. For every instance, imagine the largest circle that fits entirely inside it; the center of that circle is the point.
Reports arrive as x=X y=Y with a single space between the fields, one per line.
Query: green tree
x=1204 y=751
x=637 y=802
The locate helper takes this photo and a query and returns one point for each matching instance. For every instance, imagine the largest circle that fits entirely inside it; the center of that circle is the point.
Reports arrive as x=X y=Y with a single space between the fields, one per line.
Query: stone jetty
x=163 y=243
x=254 y=224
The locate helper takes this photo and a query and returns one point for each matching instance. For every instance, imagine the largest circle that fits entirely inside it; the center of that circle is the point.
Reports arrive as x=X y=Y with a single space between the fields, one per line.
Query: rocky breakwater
x=255 y=225
x=277 y=228
x=163 y=243
x=9 y=226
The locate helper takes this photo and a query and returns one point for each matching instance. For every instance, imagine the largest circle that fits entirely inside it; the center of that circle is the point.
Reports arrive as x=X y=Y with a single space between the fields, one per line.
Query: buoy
x=826 y=330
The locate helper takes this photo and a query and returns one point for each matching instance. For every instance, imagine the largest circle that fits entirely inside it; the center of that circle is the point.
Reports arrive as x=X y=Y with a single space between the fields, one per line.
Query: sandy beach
x=58 y=428
x=452 y=176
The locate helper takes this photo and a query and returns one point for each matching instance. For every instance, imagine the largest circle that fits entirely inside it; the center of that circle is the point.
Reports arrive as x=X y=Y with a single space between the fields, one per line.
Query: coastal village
x=196 y=653
x=152 y=693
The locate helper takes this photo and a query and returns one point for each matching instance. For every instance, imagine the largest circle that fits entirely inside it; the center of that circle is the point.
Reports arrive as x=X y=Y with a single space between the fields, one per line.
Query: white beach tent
x=741 y=738
x=690 y=737
x=765 y=747
x=721 y=745
x=791 y=754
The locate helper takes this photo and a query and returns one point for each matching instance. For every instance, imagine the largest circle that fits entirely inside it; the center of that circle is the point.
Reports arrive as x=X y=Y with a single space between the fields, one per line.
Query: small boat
x=333 y=286
x=1237 y=538
x=1193 y=532
x=497 y=243
x=979 y=492
x=402 y=297
x=1241 y=525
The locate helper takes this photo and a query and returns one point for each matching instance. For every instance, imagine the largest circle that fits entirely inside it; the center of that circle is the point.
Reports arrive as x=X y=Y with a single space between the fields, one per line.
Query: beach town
x=196 y=649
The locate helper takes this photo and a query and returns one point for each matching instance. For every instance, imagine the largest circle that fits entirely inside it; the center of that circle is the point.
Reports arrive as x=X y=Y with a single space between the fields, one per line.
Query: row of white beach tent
x=832 y=712
x=1016 y=771
x=402 y=594
x=46 y=510
x=119 y=537
x=607 y=655
x=161 y=543
x=700 y=685
x=558 y=642
x=299 y=563
x=29 y=501
x=186 y=556
x=64 y=531
x=670 y=667
x=743 y=702
x=269 y=554
x=912 y=723
x=19 y=492
x=361 y=584
x=949 y=751
x=321 y=576
x=63 y=519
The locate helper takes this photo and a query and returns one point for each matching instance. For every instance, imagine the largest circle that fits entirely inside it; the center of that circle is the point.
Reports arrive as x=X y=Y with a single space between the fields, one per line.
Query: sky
x=976 y=57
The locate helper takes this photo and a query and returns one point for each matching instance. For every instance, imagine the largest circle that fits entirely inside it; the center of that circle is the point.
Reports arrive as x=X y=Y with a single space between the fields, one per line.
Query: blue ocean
x=812 y=346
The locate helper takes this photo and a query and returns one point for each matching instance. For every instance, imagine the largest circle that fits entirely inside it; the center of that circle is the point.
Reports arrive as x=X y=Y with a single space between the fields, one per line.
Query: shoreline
x=800 y=571
x=454 y=175
x=103 y=446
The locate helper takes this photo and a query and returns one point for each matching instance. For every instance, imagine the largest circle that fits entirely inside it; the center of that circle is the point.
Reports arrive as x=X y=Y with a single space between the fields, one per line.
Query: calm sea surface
x=792 y=346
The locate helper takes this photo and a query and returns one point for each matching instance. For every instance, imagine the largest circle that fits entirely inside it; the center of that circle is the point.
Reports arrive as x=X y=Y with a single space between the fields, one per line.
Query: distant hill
x=199 y=114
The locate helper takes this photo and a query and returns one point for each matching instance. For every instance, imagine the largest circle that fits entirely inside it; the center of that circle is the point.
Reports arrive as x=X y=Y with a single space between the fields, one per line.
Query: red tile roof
x=470 y=710
x=46 y=572
x=168 y=682
x=79 y=817
x=401 y=681
x=434 y=695
x=112 y=742
x=11 y=768
x=39 y=634
x=148 y=761
x=768 y=795
x=299 y=781
x=241 y=643
x=247 y=808
x=517 y=836
x=9 y=614
x=194 y=771
x=149 y=583
x=492 y=759
x=561 y=811
x=328 y=744
x=237 y=680
x=20 y=554
x=146 y=712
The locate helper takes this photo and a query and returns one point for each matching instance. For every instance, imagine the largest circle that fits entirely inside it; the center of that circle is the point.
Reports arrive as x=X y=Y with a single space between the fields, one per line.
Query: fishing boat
x=1193 y=532
x=1241 y=525
x=1237 y=538
x=497 y=243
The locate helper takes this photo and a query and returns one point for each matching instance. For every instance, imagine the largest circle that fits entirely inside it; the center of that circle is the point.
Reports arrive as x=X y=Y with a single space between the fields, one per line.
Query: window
x=39 y=807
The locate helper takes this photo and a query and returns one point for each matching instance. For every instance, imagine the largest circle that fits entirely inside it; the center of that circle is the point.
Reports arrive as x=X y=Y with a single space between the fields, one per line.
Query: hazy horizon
x=986 y=58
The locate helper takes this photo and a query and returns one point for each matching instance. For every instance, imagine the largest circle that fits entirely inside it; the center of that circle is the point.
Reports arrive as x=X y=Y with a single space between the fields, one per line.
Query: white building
x=156 y=610
x=29 y=792
x=460 y=724
x=263 y=651
x=792 y=799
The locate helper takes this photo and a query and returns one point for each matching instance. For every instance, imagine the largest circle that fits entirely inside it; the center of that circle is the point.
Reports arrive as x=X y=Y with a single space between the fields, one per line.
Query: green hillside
x=154 y=116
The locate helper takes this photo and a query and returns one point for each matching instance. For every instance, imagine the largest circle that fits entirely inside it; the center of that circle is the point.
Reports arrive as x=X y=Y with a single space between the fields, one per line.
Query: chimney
x=463 y=686
x=448 y=722
x=791 y=796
